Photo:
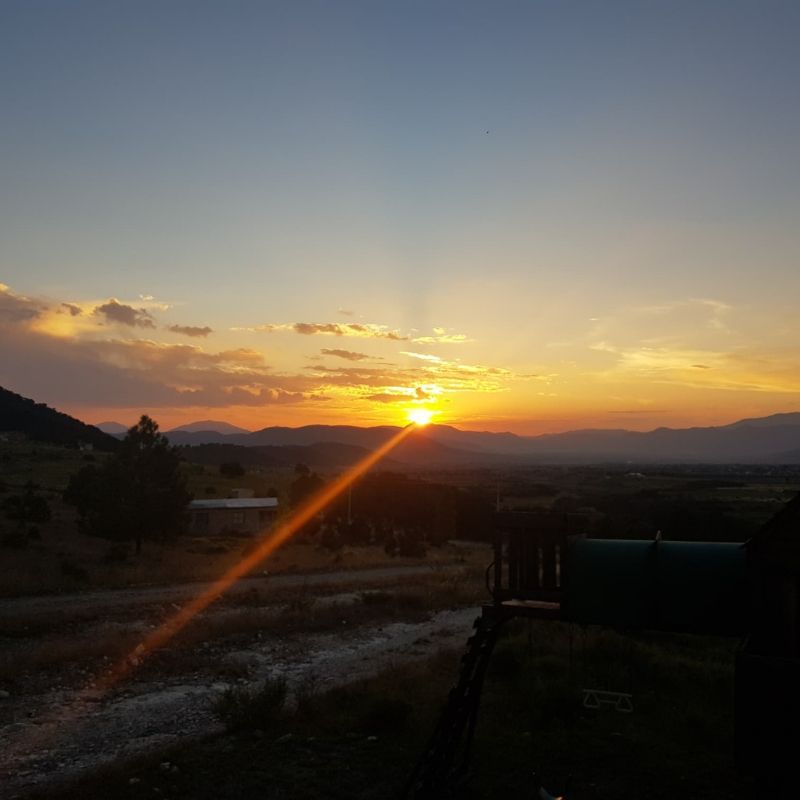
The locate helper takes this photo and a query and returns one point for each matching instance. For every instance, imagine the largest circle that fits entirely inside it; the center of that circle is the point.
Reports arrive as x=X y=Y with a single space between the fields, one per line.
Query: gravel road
x=58 y=728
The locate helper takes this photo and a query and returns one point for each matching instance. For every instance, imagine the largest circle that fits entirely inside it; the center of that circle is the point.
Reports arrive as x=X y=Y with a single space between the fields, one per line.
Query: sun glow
x=420 y=416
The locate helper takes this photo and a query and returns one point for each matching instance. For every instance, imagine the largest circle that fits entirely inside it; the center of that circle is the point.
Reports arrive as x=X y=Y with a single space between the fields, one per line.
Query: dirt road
x=113 y=599
x=54 y=724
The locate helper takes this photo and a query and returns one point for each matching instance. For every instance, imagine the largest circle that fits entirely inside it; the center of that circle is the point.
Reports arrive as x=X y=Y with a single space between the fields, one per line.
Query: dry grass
x=47 y=644
x=54 y=565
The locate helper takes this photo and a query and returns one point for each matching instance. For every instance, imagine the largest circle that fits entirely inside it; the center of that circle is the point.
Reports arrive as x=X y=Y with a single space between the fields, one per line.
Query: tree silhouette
x=138 y=494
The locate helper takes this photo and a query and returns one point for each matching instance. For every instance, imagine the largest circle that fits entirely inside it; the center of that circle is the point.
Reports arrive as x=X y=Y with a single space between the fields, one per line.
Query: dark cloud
x=191 y=330
x=122 y=314
x=74 y=311
x=348 y=355
x=139 y=374
x=15 y=308
x=311 y=328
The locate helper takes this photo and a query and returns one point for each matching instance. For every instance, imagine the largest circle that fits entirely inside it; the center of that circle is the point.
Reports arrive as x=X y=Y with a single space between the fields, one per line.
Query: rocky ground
x=56 y=720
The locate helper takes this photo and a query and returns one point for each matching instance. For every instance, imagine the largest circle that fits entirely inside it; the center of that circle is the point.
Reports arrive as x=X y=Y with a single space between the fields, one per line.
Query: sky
x=528 y=216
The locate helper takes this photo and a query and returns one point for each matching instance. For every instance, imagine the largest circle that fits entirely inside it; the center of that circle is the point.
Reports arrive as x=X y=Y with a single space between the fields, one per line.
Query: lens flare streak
x=178 y=621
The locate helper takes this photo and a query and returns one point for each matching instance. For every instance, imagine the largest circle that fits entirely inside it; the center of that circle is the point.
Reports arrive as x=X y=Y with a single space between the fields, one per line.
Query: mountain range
x=773 y=439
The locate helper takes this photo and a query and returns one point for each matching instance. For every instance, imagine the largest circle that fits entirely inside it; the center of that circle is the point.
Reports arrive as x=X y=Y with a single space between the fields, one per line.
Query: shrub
x=231 y=469
x=15 y=539
x=385 y=715
x=242 y=707
x=71 y=570
x=376 y=598
x=116 y=554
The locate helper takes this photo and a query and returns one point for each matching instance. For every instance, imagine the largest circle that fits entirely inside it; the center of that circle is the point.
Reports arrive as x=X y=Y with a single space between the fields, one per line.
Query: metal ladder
x=445 y=761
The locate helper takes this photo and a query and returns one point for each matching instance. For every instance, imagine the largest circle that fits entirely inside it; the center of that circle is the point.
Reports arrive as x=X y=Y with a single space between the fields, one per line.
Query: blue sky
x=514 y=173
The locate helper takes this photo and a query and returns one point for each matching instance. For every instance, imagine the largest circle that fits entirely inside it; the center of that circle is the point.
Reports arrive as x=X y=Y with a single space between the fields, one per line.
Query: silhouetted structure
x=232 y=515
x=768 y=664
x=544 y=568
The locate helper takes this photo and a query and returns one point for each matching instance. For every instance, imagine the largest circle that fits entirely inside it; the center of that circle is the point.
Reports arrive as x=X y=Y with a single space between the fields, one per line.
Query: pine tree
x=138 y=494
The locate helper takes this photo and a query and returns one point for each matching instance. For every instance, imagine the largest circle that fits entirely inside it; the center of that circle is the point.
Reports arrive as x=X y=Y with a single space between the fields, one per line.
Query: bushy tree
x=138 y=494
x=306 y=484
x=27 y=507
x=231 y=469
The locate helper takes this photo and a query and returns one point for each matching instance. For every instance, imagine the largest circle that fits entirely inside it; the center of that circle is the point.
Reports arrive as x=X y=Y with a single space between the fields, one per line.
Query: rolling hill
x=773 y=439
x=44 y=424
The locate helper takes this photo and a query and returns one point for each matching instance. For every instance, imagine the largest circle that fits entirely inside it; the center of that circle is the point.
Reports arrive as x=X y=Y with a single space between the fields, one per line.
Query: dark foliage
x=676 y=516
x=406 y=510
x=240 y=707
x=304 y=485
x=137 y=494
x=231 y=469
x=26 y=508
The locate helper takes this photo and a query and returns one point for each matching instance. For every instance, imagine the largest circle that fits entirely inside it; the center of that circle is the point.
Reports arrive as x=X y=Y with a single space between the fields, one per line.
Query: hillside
x=44 y=424
x=774 y=439
x=210 y=425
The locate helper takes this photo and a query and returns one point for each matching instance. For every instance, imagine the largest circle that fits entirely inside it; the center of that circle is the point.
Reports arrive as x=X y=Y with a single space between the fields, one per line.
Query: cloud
x=15 y=308
x=191 y=330
x=641 y=411
x=387 y=397
x=141 y=373
x=403 y=394
x=359 y=330
x=122 y=314
x=346 y=312
x=443 y=338
x=691 y=323
x=64 y=354
x=348 y=355
x=354 y=329
x=424 y=357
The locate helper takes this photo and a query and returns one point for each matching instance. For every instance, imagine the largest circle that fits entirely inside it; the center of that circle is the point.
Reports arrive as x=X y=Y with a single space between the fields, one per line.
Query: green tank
x=696 y=587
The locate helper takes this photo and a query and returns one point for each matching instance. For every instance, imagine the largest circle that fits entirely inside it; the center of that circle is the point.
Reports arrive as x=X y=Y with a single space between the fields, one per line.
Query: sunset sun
x=420 y=416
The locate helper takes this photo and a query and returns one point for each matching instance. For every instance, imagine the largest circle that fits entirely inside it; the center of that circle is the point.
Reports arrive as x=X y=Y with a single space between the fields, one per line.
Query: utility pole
x=350 y=504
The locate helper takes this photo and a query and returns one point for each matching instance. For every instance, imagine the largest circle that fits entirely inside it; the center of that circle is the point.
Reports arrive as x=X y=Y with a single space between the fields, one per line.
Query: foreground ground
x=317 y=631
x=361 y=740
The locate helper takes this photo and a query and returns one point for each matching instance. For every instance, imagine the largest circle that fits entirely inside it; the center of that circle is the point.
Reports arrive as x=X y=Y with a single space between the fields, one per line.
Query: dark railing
x=530 y=555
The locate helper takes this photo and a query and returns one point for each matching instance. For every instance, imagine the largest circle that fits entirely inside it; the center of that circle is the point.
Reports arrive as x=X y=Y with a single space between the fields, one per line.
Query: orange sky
x=690 y=362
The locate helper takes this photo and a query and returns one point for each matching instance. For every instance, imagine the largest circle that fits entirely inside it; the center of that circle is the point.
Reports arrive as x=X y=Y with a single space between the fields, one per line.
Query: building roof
x=237 y=503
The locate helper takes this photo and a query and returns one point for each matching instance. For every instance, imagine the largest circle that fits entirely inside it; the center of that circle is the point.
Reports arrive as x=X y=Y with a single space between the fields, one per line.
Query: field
x=322 y=673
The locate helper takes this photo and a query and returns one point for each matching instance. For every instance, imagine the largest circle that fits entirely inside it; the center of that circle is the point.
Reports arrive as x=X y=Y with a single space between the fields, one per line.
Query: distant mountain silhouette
x=210 y=425
x=43 y=424
x=772 y=439
x=114 y=428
